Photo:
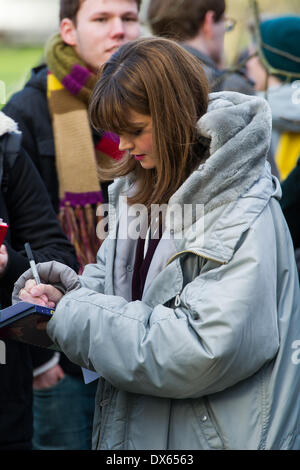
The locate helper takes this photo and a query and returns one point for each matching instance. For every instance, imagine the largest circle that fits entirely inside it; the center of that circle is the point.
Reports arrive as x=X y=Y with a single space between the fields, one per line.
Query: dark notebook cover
x=22 y=321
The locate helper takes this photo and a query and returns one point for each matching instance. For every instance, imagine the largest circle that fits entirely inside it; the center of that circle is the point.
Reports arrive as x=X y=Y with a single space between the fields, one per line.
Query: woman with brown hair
x=176 y=93
x=191 y=315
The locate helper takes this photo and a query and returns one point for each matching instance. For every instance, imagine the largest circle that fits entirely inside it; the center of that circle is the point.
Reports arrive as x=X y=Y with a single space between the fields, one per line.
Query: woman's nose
x=125 y=144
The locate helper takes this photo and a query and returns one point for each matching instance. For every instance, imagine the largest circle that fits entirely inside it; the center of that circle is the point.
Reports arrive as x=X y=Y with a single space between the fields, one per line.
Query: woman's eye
x=137 y=132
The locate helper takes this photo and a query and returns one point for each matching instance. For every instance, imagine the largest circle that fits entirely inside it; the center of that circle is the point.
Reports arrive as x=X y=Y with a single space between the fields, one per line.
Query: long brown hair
x=158 y=78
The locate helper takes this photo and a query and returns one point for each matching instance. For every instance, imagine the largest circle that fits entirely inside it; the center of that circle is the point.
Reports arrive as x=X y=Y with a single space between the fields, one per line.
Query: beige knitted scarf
x=69 y=87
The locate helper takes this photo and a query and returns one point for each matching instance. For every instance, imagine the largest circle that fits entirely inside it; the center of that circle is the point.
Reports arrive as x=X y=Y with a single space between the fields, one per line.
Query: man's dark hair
x=69 y=8
x=181 y=19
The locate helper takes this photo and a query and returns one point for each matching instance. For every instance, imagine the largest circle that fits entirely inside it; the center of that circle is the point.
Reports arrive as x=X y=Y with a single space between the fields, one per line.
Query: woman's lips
x=139 y=157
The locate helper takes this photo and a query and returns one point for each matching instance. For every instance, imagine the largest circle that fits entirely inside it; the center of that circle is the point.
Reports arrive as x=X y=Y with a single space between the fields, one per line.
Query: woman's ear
x=68 y=32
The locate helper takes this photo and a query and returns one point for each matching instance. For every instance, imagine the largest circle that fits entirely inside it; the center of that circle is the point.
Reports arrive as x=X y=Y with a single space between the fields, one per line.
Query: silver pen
x=32 y=263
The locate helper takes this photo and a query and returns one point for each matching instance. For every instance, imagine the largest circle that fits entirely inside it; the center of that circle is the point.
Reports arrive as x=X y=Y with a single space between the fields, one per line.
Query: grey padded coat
x=209 y=359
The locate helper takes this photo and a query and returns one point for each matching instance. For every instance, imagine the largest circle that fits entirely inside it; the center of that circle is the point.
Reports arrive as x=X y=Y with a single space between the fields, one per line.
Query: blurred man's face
x=217 y=44
x=102 y=26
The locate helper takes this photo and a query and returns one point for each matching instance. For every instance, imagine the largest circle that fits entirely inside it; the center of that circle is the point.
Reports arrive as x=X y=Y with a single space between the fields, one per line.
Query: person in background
x=52 y=114
x=290 y=204
x=275 y=69
x=194 y=324
x=25 y=206
x=200 y=27
x=281 y=85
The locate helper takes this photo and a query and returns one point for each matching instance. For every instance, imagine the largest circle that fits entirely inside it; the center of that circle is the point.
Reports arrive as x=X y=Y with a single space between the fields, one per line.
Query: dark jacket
x=290 y=204
x=220 y=80
x=25 y=205
x=29 y=108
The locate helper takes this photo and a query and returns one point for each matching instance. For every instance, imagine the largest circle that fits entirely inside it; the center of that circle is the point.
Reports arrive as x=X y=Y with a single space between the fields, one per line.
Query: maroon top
x=141 y=266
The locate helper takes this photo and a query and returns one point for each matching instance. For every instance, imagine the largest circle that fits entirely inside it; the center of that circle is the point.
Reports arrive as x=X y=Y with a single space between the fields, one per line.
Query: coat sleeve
x=224 y=330
x=29 y=109
x=93 y=276
x=17 y=112
x=32 y=219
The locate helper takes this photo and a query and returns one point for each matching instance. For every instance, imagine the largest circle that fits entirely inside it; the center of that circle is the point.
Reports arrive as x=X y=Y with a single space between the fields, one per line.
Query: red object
x=3 y=231
x=109 y=144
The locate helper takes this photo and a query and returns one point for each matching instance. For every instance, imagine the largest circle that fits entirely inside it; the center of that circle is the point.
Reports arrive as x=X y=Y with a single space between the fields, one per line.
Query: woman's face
x=139 y=143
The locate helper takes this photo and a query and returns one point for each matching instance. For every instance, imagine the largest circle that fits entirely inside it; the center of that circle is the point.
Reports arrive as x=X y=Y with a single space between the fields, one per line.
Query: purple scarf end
x=82 y=199
x=76 y=80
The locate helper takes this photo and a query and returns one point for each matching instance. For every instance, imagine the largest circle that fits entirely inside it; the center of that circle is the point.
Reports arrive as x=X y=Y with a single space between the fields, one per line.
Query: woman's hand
x=41 y=294
x=3 y=259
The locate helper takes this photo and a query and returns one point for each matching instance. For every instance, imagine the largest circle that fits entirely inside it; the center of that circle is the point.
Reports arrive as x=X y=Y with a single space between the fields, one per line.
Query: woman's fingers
x=29 y=294
x=29 y=288
x=42 y=294
x=29 y=285
x=27 y=297
x=52 y=294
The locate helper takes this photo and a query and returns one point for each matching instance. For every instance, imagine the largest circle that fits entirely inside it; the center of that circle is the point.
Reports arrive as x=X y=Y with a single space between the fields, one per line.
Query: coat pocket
x=207 y=425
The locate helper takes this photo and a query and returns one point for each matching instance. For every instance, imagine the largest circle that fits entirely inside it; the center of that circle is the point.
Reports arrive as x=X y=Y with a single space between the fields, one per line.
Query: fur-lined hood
x=234 y=184
x=7 y=125
x=239 y=127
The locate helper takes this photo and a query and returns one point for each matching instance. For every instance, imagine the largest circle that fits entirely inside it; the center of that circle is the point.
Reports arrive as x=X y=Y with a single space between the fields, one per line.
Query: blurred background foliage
x=241 y=11
x=16 y=63
x=16 y=60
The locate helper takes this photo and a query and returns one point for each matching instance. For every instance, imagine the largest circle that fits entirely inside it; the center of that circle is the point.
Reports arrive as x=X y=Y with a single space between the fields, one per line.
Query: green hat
x=283 y=34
